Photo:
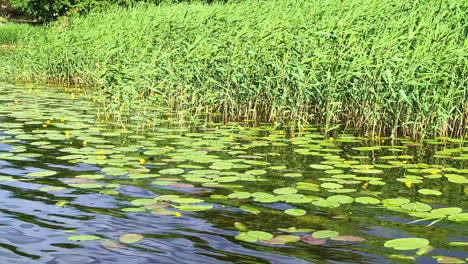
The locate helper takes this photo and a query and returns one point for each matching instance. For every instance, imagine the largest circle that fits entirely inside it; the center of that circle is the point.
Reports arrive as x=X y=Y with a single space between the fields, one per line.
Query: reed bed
x=386 y=67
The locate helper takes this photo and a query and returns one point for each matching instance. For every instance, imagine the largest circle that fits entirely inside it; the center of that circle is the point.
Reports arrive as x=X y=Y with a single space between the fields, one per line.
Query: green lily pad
x=130 y=238
x=260 y=235
x=286 y=190
x=367 y=200
x=83 y=238
x=324 y=234
x=429 y=192
x=295 y=212
x=174 y=171
x=342 y=199
x=406 y=243
x=42 y=173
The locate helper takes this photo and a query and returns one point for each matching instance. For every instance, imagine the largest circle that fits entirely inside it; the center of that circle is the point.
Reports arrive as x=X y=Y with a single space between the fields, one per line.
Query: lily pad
x=324 y=234
x=295 y=212
x=130 y=238
x=406 y=243
x=83 y=238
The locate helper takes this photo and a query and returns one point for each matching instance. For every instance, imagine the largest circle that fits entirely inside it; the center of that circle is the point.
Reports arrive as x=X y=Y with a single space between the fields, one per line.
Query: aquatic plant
x=394 y=67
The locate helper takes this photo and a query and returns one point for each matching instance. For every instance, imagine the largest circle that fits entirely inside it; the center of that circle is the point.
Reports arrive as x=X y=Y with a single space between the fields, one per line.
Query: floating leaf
x=348 y=238
x=321 y=167
x=342 y=199
x=286 y=190
x=429 y=192
x=83 y=238
x=174 y=171
x=407 y=243
x=42 y=174
x=240 y=195
x=130 y=238
x=187 y=200
x=260 y=235
x=111 y=244
x=324 y=234
x=295 y=212
x=313 y=241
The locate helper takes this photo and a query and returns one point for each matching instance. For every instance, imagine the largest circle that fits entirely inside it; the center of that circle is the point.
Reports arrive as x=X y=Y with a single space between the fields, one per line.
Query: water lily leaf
x=447 y=211
x=130 y=238
x=295 y=212
x=260 y=235
x=252 y=210
x=448 y=260
x=348 y=238
x=240 y=226
x=286 y=190
x=245 y=237
x=395 y=202
x=187 y=200
x=144 y=201
x=457 y=244
x=330 y=185
x=417 y=207
x=111 y=244
x=342 y=199
x=326 y=203
x=86 y=185
x=429 y=192
x=313 y=241
x=424 y=250
x=83 y=238
x=193 y=208
x=324 y=234
x=174 y=171
x=406 y=243
x=321 y=167
x=52 y=188
x=42 y=173
x=463 y=217
x=240 y=195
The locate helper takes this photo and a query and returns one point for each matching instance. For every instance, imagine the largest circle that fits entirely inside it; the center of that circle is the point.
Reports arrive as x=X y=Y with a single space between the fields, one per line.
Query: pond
x=78 y=190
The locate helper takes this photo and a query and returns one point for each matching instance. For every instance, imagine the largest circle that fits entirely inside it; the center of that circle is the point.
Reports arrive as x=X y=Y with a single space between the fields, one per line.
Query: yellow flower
x=67 y=133
x=85 y=143
x=331 y=139
x=177 y=214
x=99 y=152
x=147 y=120
x=44 y=125
x=16 y=102
x=142 y=161
x=365 y=185
x=408 y=184
x=62 y=119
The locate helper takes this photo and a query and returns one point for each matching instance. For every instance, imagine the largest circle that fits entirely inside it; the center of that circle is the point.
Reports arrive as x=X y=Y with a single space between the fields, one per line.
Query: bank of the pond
x=393 y=67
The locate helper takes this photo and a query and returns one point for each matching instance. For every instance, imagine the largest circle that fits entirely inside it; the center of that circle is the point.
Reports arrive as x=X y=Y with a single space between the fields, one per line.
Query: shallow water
x=96 y=178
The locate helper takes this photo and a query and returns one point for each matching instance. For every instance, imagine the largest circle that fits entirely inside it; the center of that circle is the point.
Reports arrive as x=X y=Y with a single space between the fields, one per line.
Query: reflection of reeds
x=390 y=67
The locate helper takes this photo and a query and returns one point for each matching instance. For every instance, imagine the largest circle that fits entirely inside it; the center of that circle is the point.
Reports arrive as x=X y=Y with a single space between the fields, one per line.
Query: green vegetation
x=252 y=187
x=392 y=67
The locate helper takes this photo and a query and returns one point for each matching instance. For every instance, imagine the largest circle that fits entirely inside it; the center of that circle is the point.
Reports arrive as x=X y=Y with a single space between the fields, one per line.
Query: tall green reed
x=393 y=67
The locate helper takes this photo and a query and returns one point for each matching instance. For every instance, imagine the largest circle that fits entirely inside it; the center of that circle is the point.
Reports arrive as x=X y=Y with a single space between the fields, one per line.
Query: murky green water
x=74 y=190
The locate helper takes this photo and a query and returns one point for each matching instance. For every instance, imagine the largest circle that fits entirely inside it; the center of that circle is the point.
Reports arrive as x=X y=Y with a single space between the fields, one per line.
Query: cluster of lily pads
x=194 y=167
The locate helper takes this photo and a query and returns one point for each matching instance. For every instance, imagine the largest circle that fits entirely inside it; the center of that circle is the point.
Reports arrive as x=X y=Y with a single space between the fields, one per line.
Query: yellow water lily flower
x=85 y=143
x=177 y=214
x=142 y=161
x=408 y=184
